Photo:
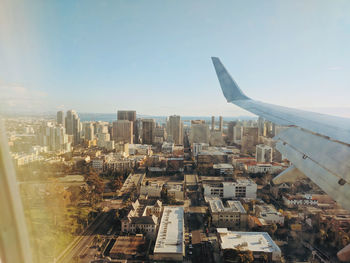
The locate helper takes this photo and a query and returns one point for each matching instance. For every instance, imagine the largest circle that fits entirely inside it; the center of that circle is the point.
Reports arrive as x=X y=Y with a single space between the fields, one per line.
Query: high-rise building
x=101 y=127
x=175 y=128
x=102 y=139
x=129 y=115
x=199 y=133
x=88 y=131
x=237 y=133
x=250 y=139
x=122 y=131
x=60 y=118
x=263 y=153
x=221 y=124
x=269 y=129
x=126 y=115
x=54 y=137
x=148 y=127
x=261 y=126
x=230 y=132
x=212 y=123
x=160 y=134
x=73 y=126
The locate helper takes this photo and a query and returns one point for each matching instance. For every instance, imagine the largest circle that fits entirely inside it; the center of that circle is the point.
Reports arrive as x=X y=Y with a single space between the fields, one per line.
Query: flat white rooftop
x=253 y=241
x=170 y=234
x=217 y=205
x=223 y=166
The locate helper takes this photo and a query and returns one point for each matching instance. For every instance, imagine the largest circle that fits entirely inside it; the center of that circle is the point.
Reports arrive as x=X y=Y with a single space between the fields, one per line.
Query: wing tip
x=229 y=87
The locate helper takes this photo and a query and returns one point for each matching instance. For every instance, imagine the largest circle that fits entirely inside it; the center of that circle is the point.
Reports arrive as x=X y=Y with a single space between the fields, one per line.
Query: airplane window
x=174 y=132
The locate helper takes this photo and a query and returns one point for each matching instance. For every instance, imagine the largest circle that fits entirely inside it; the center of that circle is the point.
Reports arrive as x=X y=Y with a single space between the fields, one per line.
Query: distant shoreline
x=110 y=117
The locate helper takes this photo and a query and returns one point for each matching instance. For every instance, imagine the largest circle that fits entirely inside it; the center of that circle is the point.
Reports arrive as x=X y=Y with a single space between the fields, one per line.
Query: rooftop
x=127 y=245
x=170 y=235
x=223 y=166
x=231 y=206
x=267 y=209
x=144 y=220
x=253 y=241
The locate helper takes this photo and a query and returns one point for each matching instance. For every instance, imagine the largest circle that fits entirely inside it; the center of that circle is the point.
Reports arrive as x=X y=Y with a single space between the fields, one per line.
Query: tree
x=246 y=256
x=273 y=229
x=95 y=183
x=116 y=184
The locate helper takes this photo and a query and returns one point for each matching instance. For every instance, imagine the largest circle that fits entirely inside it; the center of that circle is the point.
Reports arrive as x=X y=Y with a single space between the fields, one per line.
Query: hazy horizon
x=154 y=56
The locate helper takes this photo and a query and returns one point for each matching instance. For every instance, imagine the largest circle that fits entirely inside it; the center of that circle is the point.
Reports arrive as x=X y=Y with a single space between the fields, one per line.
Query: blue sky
x=154 y=56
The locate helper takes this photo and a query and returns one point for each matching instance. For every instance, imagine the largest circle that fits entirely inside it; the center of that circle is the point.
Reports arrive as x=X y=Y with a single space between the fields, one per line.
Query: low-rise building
x=170 y=239
x=206 y=159
x=242 y=188
x=198 y=147
x=232 y=214
x=269 y=214
x=118 y=162
x=175 y=165
x=175 y=190
x=259 y=243
x=223 y=169
x=167 y=147
x=97 y=164
x=299 y=200
x=23 y=159
x=272 y=168
x=128 y=247
x=143 y=217
x=151 y=188
x=141 y=149
x=132 y=183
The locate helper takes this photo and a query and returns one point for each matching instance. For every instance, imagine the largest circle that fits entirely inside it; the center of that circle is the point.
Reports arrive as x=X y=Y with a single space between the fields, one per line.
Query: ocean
x=110 y=117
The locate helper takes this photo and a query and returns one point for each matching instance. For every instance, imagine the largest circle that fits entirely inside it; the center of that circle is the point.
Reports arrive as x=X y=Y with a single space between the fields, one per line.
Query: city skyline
x=115 y=55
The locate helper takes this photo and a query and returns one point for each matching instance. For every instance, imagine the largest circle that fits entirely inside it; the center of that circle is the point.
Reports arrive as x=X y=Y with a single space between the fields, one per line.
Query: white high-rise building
x=263 y=153
x=103 y=139
x=88 y=129
x=54 y=137
x=243 y=188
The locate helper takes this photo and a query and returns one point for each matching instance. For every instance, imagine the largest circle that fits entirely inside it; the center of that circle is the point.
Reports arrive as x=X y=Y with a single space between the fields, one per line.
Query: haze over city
x=155 y=57
x=174 y=131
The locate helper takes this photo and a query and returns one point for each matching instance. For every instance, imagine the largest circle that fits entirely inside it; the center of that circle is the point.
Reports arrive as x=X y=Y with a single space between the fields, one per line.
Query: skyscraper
x=88 y=131
x=175 y=126
x=122 y=131
x=60 y=118
x=230 y=132
x=129 y=115
x=221 y=124
x=212 y=123
x=199 y=132
x=73 y=126
x=250 y=139
x=261 y=126
x=148 y=126
x=53 y=137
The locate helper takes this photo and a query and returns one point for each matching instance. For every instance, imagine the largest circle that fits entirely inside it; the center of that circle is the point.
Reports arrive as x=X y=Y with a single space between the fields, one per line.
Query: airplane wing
x=317 y=145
